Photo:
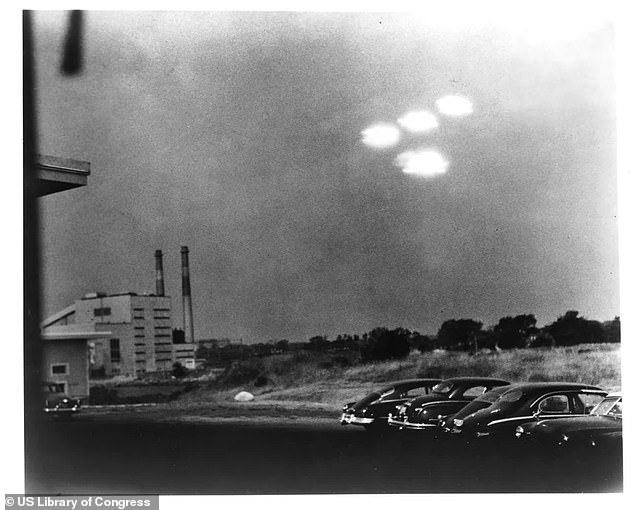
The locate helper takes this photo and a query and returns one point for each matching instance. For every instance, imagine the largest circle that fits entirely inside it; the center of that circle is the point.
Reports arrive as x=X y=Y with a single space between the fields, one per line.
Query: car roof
x=545 y=387
x=413 y=382
x=461 y=380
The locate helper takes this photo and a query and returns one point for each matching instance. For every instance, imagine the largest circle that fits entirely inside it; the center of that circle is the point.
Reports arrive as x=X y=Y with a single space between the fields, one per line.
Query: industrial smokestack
x=160 y=285
x=188 y=315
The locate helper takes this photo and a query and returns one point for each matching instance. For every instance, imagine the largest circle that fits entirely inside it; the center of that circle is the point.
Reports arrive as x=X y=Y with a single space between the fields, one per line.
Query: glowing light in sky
x=456 y=106
x=381 y=136
x=423 y=162
x=418 y=122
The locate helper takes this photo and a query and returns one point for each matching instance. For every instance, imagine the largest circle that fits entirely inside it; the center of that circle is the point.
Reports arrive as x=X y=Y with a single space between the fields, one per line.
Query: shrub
x=382 y=344
x=178 y=370
x=241 y=372
x=261 y=380
x=341 y=361
x=102 y=395
x=541 y=340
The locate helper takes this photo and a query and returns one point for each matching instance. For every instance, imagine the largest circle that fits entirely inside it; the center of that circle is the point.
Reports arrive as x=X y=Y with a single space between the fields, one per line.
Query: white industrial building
x=140 y=328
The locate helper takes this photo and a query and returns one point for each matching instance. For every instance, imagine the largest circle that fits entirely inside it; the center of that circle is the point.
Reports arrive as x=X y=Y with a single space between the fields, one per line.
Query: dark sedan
x=524 y=403
x=446 y=398
x=57 y=402
x=372 y=411
x=601 y=430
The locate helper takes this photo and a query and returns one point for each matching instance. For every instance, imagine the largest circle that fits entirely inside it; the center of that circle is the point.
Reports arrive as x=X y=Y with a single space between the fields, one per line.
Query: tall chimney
x=160 y=285
x=188 y=315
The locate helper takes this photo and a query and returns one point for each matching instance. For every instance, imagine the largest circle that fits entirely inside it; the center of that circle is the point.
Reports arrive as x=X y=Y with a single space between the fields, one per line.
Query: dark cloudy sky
x=239 y=135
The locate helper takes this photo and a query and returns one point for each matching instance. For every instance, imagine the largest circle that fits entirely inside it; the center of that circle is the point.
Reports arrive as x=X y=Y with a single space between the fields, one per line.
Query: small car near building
x=446 y=398
x=601 y=430
x=372 y=411
x=521 y=404
x=57 y=402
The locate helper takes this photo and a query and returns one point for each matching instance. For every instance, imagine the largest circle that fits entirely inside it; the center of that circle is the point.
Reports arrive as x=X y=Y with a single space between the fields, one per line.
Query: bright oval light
x=418 y=122
x=423 y=162
x=381 y=136
x=455 y=106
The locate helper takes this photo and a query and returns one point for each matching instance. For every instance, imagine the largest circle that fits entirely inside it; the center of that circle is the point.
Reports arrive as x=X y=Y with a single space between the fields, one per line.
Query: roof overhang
x=62 y=314
x=74 y=332
x=60 y=174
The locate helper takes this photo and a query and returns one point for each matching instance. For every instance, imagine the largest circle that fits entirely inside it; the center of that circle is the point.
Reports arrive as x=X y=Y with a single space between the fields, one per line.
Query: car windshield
x=386 y=392
x=54 y=388
x=511 y=396
x=608 y=407
x=442 y=387
x=488 y=397
x=474 y=406
x=482 y=402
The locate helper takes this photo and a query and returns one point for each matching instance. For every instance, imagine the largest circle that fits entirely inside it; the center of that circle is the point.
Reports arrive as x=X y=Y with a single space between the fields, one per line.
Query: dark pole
x=31 y=244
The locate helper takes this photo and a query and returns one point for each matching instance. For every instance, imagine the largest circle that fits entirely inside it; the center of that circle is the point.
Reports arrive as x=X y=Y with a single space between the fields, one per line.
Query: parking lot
x=300 y=456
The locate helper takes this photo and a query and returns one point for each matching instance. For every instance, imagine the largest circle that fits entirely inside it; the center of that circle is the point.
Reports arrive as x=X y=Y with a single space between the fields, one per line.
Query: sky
x=248 y=137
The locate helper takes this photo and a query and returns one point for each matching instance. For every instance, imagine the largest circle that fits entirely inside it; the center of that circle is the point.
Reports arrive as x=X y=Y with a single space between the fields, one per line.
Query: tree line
x=381 y=343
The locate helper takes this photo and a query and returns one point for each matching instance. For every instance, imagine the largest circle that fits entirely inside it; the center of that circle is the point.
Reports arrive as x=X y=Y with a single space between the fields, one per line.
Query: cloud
x=418 y=122
x=381 y=136
x=455 y=106
x=422 y=162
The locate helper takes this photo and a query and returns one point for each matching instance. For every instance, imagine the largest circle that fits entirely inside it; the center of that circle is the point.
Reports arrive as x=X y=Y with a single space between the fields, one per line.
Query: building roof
x=56 y=317
x=73 y=332
x=60 y=174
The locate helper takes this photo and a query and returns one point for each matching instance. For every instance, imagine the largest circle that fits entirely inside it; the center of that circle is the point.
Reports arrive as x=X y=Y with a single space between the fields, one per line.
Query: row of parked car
x=472 y=408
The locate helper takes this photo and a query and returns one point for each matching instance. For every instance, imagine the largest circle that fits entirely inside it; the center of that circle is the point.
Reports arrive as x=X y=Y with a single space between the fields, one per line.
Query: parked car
x=446 y=398
x=57 y=402
x=482 y=402
x=372 y=411
x=521 y=404
x=602 y=429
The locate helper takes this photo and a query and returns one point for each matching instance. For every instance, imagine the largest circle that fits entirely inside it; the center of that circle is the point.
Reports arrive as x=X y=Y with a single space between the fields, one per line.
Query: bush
x=341 y=361
x=382 y=344
x=261 y=380
x=102 y=395
x=242 y=372
x=178 y=370
x=541 y=340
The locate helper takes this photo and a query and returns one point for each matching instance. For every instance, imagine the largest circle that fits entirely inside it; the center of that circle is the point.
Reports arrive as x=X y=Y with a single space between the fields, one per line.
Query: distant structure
x=217 y=343
x=139 y=326
x=160 y=284
x=188 y=314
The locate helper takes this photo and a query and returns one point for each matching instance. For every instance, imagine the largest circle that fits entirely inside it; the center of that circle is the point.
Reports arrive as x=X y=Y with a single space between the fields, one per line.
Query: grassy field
x=301 y=381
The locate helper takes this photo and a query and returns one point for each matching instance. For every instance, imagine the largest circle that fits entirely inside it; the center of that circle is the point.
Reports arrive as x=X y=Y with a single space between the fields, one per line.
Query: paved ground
x=238 y=455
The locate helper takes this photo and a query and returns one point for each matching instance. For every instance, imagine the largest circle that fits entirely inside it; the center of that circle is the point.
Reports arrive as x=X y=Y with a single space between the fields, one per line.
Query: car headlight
x=458 y=422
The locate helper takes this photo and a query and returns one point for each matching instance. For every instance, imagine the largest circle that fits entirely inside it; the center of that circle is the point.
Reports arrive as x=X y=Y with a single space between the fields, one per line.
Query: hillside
x=318 y=381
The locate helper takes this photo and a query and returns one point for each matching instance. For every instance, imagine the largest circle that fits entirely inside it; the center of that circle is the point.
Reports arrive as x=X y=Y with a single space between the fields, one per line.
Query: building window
x=138 y=313
x=115 y=352
x=100 y=312
x=59 y=369
x=161 y=313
